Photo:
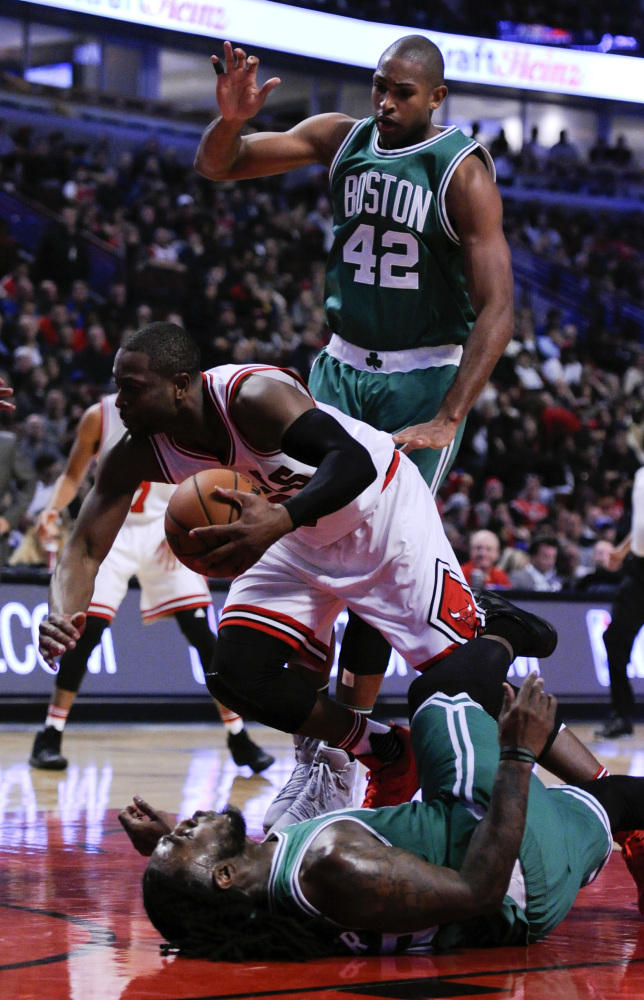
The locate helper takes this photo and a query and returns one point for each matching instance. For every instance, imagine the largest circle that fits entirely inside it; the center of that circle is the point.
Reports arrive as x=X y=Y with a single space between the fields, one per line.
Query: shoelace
x=322 y=785
x=295 y=783
x=301 y=771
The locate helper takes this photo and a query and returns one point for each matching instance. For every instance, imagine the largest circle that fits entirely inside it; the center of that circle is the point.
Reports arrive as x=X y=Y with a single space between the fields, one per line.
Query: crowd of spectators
x=587 y=23
x=550 y=449
x=608 y=169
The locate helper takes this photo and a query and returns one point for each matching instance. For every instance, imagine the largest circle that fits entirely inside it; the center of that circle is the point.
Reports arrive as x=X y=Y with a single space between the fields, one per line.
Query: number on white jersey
x=139 y=498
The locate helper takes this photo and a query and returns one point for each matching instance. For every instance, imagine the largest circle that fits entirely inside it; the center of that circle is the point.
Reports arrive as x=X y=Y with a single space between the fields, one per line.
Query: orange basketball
x=194 y=504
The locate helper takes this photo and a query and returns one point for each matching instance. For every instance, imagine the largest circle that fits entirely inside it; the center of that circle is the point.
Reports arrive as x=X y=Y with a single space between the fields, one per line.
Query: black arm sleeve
x=344 y=467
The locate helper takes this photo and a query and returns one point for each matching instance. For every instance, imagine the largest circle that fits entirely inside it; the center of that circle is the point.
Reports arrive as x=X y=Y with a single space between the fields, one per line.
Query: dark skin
x=407 y=89
x=354 y=879
x=405 y=93
x=151 y=403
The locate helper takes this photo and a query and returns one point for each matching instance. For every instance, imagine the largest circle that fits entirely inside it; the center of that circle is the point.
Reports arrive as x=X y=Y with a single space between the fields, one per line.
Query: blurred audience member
x=481 y=571
x=540 y=571
x=17 y=485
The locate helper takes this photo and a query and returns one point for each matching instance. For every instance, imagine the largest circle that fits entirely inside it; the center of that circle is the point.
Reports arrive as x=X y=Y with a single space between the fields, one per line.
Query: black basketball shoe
x=244 y=751
x=540 y=636
x=46 y=750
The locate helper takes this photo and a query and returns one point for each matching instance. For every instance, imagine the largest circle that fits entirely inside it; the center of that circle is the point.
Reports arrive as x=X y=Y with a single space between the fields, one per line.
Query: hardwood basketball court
x=73 y=925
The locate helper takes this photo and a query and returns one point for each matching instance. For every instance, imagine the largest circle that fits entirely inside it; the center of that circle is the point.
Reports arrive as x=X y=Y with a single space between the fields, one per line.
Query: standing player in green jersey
x=419 y=293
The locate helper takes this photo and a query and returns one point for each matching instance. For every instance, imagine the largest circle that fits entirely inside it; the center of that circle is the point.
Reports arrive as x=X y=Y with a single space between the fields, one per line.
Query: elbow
x=202 y=168
x=203 y=164
x=488 y=902
x=364 y=472
x=492 y=904
x=482 y=899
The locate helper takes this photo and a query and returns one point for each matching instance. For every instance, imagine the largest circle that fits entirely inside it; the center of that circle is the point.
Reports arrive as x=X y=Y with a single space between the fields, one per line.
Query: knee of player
x=221 y=689
x=249 y=675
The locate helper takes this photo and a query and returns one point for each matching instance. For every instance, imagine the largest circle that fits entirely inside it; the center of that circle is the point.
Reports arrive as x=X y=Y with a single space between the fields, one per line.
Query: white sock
x=363 y=745
x=56 y=717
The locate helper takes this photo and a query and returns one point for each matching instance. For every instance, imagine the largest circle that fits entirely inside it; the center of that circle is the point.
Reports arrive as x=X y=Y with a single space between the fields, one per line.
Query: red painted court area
x=73 y=928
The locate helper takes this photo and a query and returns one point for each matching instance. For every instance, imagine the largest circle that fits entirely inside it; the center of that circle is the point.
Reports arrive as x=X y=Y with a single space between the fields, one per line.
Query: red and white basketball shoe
x=633 y=855
x=394 y=783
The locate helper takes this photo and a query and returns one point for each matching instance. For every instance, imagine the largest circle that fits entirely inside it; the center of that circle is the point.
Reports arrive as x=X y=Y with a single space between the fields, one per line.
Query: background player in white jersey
x=167 y=588
x=351 y=523
x=419 y=292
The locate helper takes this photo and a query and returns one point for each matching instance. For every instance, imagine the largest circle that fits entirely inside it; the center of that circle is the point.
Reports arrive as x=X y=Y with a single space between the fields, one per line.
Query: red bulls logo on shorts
x=453 y=610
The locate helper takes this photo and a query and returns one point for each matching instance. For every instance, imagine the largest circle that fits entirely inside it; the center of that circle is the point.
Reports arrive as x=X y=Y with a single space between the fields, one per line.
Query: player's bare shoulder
x=326 y=133
x=471 y=180
x=264 y=407
x=472 y=199
x=340 y=867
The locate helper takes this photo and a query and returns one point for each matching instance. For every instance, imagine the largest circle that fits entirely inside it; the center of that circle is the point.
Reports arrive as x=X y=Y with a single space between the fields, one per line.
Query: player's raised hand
x=6 y=404
x=238 y=95
x=527 y=718
x=5 y=393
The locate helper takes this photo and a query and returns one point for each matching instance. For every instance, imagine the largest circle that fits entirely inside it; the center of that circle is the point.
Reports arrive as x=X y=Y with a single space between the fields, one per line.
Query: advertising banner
x=351 y=42
x=155 y=661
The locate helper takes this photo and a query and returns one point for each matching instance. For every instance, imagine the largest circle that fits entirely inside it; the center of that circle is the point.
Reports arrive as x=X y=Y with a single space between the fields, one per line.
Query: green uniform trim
x=390 y=403
x=395 y=276
x=566 y=842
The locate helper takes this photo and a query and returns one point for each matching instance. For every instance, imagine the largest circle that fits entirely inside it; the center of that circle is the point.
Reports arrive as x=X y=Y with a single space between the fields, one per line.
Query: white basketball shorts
x=397 y=571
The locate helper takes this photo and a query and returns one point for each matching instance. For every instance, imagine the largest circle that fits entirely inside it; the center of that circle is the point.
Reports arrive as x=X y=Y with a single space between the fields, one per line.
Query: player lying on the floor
x=489 y=857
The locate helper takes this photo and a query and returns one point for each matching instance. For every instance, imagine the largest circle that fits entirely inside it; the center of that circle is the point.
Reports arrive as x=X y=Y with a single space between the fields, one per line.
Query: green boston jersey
x=395 y=277
x=437 y=831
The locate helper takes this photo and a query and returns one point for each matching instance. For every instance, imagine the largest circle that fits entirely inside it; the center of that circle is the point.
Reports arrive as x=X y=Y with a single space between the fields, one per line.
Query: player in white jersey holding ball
x=350 y=522
x=167 y=588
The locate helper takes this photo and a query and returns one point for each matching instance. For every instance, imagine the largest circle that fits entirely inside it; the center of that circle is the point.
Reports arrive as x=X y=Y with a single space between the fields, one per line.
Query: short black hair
x=170 y=349
x=417 y=48
x=540 y=540
x=44 y=459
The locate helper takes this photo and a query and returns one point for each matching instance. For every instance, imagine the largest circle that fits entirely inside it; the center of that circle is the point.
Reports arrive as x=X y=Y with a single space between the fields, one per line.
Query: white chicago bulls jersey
x=151 y=499
x=278 y=475
x=140 y=550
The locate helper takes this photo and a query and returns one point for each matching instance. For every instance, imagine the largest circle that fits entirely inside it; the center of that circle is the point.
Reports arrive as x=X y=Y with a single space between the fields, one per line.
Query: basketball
x=194 y=504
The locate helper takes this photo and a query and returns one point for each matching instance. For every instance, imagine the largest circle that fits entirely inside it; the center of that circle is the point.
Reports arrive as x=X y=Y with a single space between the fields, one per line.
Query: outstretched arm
x=474 y=204
x=102 y=514
x=361 y=883
x=224 y=154
x=84 y=448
